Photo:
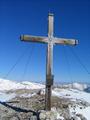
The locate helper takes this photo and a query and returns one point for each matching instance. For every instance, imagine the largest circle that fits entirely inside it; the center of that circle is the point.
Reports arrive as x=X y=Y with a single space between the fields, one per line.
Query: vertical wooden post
x=49 y=64
x=49 y=77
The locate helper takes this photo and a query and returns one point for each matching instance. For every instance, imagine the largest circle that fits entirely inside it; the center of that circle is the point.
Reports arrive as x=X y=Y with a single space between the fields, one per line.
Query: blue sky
x=71 y=20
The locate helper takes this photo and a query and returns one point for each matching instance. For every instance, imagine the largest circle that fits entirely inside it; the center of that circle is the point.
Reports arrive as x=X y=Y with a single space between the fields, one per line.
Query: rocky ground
x=25 y=107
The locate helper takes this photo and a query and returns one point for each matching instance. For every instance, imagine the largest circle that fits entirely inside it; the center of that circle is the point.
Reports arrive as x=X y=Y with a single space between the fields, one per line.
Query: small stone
x=33 y=118
x=53 y=116
x=48 y=114
x=76 y=118
x=42 y=116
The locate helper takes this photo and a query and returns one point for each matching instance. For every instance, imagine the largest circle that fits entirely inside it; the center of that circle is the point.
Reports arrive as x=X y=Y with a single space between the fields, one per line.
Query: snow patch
x=72 y=94
x=5 y=97
x=26 y=95
x=84 y=111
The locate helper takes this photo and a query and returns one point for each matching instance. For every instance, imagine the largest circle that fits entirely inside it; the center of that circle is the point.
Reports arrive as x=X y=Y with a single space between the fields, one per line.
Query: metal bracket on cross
x=49 y=80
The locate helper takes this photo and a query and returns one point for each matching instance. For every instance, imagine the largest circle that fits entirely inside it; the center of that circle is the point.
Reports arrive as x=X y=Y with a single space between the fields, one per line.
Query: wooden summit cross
x=51 y=41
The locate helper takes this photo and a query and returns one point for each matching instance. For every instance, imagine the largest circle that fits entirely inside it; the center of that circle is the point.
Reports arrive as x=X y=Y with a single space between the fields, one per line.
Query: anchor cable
x=79 y=60
x=14 y=65
x=27 y=63
x=68 y=63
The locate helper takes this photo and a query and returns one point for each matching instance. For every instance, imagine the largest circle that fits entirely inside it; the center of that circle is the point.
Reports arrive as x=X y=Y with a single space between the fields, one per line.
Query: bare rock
x=81 y=116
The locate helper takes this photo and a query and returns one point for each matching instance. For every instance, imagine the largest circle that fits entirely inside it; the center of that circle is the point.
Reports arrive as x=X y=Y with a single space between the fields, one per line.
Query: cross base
x=49 y=83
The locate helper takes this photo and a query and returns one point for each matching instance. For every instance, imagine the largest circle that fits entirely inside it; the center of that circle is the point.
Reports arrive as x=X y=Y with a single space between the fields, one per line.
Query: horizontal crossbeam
x=29 y=38
x=64 y=41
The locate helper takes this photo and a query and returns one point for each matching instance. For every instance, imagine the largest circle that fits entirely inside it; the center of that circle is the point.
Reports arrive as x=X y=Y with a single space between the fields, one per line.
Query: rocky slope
x=26 y=101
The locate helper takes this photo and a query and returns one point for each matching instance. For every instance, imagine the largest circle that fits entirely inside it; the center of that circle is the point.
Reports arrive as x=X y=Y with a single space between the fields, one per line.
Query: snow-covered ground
x=26 y=95
x=8 y=85
x=73 y=94
x=5 y=97
x=84 y=111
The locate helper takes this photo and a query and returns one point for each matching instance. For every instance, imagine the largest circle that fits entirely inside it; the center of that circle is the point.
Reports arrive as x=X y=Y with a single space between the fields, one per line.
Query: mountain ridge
x=6 y=84
x=10 y=85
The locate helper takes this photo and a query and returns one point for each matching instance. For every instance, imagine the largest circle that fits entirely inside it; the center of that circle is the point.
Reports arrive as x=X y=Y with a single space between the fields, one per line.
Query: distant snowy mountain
x=79 y=86
x=12 y=85
x=76 y=85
